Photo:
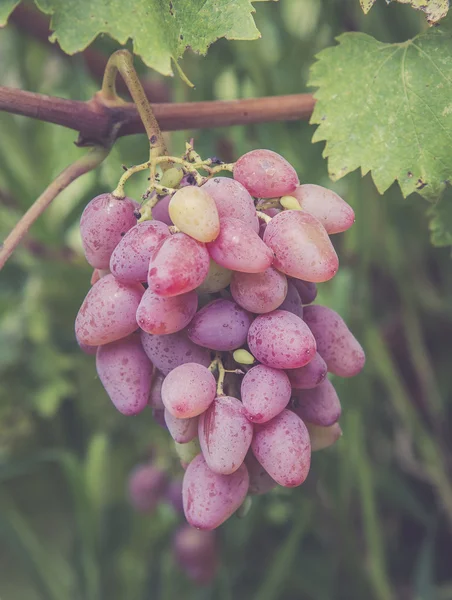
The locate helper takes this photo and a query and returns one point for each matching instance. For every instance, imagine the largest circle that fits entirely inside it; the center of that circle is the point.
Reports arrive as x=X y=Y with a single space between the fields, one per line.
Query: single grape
x=129 y=261
x=159 y=417
x=281 y=340
x=217 y=279
x=323 y=437
x=259 y=292
x=166 y=352
x=172 y=177
x=265 y=174
x=126 y=374
x=146 y=487
x=179 y=264
x=104 y=221
x=283 y=448
x=324 y=204
x=160 y=211
x=220 y=325
x=196 y=553
x=232 y=200
x=260 y=480
x=337 y=345
x=319 y=405
x=162 y=315
x=301 y=245
x=265 y=393
x=309 y=376
x=292 y=302
x=239 y=248
x=188 y=390
x=209 y=498
x=306 y=289
x=225 y=435
x=155 y=396
x=108 y=312
x=181 y=430
x=194 y=212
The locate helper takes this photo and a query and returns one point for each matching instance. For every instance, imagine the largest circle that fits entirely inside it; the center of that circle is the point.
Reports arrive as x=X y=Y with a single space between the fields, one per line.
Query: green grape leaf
x=6 y=8
x=161 y=30
x=387 y=109
x=440 y=215
x=434 y=9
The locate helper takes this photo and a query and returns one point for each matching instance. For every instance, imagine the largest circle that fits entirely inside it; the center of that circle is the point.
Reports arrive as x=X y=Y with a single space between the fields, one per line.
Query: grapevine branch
x=83 y=165
x=94 y=120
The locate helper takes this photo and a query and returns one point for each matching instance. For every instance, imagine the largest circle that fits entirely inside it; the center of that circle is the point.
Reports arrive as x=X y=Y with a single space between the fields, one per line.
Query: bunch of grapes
x=204 y=312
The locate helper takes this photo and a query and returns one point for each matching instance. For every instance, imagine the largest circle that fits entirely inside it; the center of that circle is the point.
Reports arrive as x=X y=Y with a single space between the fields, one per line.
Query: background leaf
x=6 y=8
x=386 y=108
x=434 y=9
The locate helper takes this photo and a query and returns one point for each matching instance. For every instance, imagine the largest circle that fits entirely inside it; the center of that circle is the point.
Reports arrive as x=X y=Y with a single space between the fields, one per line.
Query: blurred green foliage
x=374 y=517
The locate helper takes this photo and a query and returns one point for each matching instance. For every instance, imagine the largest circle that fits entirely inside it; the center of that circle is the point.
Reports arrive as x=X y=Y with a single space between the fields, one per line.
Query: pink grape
x=182 y=430
x=309 y=376
x=196 y=553
x=307 y=290
x=283 y=448
x=265 y=393
x=126 y=374
x=329 y=208
x=259 y=292
x=323 y=437
x=337 y=345
x=166 y=352
x=160 y=211
x=179 y=264
x=188 y=390
x=161 y=315
x=281 y=340
x=265 y=174
x=87 y=349
x=320 y=405
x=146 y=486
x=108 y=312
x=225 y=435
x=292 y=302
x=220 y=325
x=260 y=480
x=232 y=200
x=239 y=248
x=155 y=397
x=104 y=221
x=129 y=261
x=210 y=498
x=301 y=245
x=195 y=213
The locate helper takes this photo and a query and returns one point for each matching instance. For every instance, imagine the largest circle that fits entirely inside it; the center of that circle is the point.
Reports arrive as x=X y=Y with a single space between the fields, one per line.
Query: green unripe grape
x=172 y=177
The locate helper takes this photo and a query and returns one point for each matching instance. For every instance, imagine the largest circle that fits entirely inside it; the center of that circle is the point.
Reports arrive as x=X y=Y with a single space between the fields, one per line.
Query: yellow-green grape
x=217 y=279
x=172 y=177
x=194 y=212
x=323 y=437
x=290 y=203
x=187 y=452
x=243 y=357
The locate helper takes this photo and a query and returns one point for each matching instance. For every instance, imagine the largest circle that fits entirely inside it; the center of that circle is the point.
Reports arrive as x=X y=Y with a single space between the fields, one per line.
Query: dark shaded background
x=374 y=518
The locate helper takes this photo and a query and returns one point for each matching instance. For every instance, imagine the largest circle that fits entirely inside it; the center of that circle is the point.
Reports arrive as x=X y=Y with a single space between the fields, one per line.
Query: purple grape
x=292 y=302
x=146 y=486
x=259 y=292
x=283 y=448
x=166 y=352
x=265 y=393
x=309 y=376
x=265 y=174
x=160 y=211
x=155 y=396
x=225 y=435
x=196 y=553
x=281 y=340
x=337 y=345
x=174 y=495
x=319 y=405
x=126 y=374
x=104 y=221
x=260 y=480
x=306 y=289
x=108 y=312
x=220 y=325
